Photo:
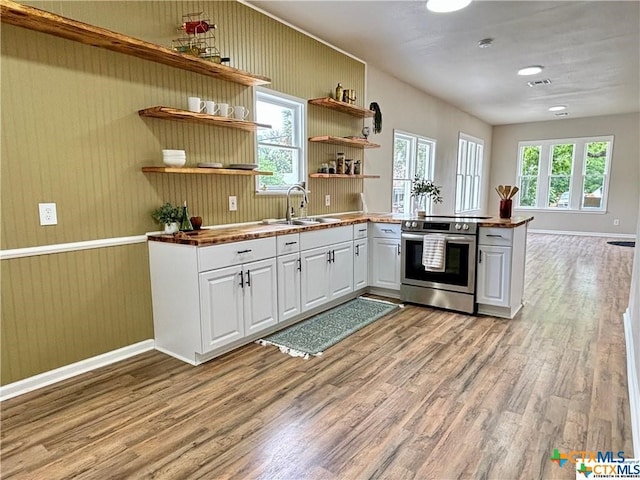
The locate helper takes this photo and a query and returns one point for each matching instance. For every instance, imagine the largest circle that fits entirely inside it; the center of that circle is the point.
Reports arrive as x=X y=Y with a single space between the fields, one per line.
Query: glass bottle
x=185 y=223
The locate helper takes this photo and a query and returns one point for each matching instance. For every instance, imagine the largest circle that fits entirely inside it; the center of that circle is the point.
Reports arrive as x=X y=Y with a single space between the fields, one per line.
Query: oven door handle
x=460 y=239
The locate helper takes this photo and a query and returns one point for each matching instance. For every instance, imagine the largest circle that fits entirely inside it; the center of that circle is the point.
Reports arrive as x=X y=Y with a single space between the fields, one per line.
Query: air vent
x=538 y=83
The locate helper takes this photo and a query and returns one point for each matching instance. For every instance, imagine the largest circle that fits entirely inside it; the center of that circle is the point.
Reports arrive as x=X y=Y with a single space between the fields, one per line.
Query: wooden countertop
x=219 y=235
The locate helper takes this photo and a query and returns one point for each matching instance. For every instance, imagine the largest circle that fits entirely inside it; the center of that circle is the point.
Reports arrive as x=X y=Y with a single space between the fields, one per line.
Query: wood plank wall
x=71 y=135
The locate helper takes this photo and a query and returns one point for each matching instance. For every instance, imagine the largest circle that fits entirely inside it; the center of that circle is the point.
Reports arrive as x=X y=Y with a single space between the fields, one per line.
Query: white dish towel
x=433 y=252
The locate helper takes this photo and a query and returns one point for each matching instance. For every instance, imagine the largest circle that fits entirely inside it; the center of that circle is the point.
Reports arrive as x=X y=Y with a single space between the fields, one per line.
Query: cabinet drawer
x=359 y=231
x=385 y=230
x=288 y=243
x=327 y=236
x=495 y=236
x=218 y=256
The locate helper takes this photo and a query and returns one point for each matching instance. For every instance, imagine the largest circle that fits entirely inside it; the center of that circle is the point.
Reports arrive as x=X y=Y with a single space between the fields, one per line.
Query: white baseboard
x=47 y=378
x=629 y=236
x=634 y=388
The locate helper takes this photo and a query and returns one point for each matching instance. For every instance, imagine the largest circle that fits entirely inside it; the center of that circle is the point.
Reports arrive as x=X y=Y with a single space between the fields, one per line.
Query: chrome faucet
x=298 y=186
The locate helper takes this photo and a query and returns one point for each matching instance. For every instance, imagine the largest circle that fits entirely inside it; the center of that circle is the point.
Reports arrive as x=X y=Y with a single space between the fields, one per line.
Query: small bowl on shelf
x=174 y=158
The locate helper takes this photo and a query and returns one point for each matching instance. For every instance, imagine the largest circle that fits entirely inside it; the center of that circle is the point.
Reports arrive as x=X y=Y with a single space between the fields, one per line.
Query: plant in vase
x=422 y=189
x=169 y=216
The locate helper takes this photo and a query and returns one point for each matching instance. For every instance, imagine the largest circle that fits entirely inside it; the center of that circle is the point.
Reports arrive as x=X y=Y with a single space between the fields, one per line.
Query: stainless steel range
x=454 y=287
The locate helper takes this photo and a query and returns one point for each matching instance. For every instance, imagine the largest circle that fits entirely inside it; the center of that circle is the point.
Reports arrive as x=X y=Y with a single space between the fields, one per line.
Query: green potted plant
x=422 y=189
x=169 y=216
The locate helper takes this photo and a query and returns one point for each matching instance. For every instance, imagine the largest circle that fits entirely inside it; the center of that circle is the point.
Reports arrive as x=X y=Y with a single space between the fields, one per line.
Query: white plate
x=243 y=166
x=210 y=165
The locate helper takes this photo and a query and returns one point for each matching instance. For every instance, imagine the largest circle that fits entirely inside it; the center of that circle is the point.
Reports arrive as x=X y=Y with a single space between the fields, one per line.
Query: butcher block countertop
x=223 y=234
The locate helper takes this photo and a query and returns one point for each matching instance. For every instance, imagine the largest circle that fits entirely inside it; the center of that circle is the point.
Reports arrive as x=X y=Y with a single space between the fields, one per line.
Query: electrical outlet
x=48 y=214
x=327 y=200
x=233 y=204
x=616 y=221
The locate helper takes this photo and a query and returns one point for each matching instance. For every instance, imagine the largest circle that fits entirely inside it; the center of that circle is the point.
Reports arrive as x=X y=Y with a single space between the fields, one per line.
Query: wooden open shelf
x=353 y=110
x=204 y=171
x=168 y=113
x=344 y=141
x=340 y=175
x=42 y=21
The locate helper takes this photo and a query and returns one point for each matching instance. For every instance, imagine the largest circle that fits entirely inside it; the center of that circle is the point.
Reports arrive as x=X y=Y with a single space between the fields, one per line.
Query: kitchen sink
x=297 y=221
x=323 y=219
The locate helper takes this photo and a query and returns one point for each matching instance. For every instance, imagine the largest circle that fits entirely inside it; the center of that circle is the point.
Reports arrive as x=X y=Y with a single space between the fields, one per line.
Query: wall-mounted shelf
x=340 y=175
x=353 y=110
x=168 y=113
x=344 y=141
x=204 y=171
x=42 y=21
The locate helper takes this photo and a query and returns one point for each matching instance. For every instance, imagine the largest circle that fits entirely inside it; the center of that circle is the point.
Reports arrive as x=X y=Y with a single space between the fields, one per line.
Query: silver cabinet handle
x=387 y=230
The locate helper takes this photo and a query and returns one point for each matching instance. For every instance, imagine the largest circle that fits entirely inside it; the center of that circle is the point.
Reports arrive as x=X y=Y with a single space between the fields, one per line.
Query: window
x=564 y=174
x=412 y=156
x=468 y=173
x=280 y=148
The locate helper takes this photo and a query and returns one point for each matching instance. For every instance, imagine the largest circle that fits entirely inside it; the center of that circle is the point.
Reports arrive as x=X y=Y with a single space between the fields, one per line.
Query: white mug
x=240 y=112
x=195 y=104
x=225 y=109
x=210 y=107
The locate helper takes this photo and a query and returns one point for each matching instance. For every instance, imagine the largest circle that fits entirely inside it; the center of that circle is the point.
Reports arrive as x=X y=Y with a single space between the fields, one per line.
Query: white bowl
x=174 y=152
x=174 y=161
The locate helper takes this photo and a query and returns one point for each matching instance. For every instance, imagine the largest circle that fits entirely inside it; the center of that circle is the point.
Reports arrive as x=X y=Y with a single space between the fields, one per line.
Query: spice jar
x=332 y=167
x=356 y=167
x=340 y=162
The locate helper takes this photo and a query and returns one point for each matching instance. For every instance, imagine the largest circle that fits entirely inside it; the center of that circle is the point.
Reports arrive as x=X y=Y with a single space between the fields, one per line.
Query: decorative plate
x=243 y=166
x=210 y=165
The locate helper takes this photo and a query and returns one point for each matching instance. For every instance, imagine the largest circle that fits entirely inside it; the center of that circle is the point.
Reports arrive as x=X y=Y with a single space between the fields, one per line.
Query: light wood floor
x=420 y=394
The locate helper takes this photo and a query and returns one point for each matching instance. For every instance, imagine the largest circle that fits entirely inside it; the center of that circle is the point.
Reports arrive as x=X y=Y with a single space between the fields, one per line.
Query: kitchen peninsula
x=219 y=288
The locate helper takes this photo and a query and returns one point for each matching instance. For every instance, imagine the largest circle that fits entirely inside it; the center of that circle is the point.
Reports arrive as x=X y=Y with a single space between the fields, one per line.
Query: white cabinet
x=327 y=273
x=289 y=299
x=494 y=273
x=236 y=302
x=360 y=264
x=500 y=272
x=384 y=268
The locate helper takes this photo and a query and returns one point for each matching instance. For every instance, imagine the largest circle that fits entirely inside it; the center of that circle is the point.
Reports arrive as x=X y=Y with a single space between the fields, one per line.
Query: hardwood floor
x=420 y=394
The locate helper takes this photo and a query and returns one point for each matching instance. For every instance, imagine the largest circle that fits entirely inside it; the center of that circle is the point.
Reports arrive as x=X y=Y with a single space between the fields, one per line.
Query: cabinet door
x=494 y=272
x=221 y=307
x=260 y=297
x=289 y=267
x=386 y=263
x=360 y=264
x=314 y=278
x=341 y=277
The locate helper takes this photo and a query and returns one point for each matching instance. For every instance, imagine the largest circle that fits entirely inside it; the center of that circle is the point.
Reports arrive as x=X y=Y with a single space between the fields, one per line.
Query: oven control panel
x=422 y=225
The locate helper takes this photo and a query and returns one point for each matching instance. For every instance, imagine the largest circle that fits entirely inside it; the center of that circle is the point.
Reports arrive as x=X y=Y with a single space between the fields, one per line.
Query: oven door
x=460 y=263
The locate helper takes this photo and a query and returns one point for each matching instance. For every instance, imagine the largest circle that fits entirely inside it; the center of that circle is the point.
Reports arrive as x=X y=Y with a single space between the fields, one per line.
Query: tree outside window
x=413 y=156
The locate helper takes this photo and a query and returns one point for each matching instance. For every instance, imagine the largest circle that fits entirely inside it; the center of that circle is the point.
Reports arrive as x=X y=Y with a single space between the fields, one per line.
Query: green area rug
x=314 y=335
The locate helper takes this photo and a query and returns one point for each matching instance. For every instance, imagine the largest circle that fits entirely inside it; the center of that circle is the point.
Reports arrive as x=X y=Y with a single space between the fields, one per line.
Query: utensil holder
x=505 y=208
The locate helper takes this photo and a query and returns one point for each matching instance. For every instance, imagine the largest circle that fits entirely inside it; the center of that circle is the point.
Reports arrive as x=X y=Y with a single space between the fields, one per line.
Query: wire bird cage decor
x=197 y=38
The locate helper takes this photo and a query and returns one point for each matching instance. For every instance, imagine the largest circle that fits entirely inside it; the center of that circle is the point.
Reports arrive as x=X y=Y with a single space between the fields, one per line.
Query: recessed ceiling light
x=531 y=70
x=444 y=6
x=485 y=42
x=557 y=108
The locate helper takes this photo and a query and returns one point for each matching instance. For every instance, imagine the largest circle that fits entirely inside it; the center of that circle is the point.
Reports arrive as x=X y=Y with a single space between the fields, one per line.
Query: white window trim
x=301 y=107
x=414 y=139
x=577 y=174
x=479 y=170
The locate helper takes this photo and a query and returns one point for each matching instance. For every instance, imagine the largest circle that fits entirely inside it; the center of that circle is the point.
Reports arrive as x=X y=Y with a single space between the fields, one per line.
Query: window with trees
x=469 y=173
x=280 y=148
x=564 y=174
x=413 y=156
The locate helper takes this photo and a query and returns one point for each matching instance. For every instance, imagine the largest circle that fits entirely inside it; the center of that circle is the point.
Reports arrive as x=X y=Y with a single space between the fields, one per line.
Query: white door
x=260 y=297
x=289 y=267
x=386 y=263
x=494 y=270
x=221 y=307
x=341 y=277
x=360 y=263
x=314 y=282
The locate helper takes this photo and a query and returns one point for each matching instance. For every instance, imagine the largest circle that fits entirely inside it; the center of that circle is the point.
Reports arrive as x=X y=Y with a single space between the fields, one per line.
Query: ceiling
x=590 y=51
